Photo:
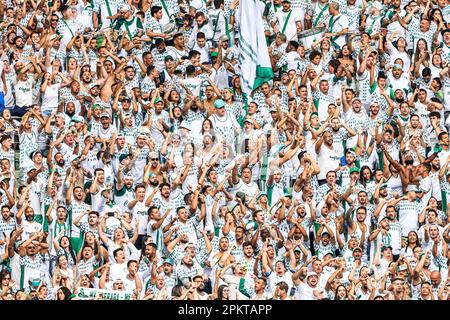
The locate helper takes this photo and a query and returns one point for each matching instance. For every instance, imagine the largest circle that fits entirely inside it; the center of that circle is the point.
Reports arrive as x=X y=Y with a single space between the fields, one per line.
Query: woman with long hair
x=341 y=293
x=63 y=293
x=397 y=49
x=119 y=240
x=412 y=241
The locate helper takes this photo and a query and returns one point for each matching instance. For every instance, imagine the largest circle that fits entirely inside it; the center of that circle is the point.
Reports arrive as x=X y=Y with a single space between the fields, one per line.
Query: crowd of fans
x=134 y=166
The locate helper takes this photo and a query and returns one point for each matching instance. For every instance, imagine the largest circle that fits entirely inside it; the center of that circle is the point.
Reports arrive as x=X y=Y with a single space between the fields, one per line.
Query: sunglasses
x=155 y=159
x=54 y=20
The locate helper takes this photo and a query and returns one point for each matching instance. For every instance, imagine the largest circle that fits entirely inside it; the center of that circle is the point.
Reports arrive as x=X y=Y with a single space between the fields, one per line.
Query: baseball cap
x=77 y=118
x=377 y=5
x=224 y=38
x=248 y=119
x=105 y=115
x=125 y=7
x=184 y=125
x=168 y=57
x=261 y=194
x=312 y=273
x=354 y=169
x=169 y=261
x=123 y=156
x=157 y=100
x=214 y=54
x=219 y=103
x=91 y=85
x=31 y=168
x=357 y=248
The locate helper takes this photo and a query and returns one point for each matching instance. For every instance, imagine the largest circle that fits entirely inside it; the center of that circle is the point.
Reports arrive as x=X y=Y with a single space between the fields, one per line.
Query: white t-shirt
x=328 y=160
x=24 y=92
x=50 y=98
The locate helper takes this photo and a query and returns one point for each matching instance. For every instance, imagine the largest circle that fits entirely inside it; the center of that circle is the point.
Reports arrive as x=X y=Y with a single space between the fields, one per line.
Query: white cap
x=377 y=5
x=125 y=7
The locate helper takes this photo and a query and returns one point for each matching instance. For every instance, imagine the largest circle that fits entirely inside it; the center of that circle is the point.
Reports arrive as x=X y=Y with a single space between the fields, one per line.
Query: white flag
x=254 y=58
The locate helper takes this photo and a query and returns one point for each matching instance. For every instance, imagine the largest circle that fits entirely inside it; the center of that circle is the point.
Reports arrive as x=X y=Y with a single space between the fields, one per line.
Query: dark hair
x=154 y=10
x=130 y=262
x=314 y=54
x=116 y=251
x=283 y=286
x=66 y=292
x=220 y=291
x=361 y=176
x=336 y=297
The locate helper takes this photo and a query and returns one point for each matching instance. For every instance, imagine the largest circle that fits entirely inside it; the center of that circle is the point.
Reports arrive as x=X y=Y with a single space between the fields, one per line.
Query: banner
x=253 y=55
x=90 y=293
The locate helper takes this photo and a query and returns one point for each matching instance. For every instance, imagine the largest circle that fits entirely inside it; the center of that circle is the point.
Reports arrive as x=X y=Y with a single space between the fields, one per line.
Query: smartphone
x=246 y=145
x=111 y=214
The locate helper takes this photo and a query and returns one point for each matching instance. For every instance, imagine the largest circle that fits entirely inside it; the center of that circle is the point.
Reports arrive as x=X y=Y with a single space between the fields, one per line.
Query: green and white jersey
x=132 y=27
x=416 y=33
x=408 y=213
x=67 y=29
x=77 y=55
x=7 y=226
x=28 y=144
x=322 y=101
x=170 y=8
x=322 y=250
x=107 y=8
x=320 y=14
x=31 y=268
x=123 y=196
x=185 y=274
x=7 y=154
x=87 y=266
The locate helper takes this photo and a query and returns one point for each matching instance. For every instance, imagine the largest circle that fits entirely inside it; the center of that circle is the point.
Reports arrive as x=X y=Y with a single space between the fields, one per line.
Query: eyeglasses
x=6 y=278
x=155 y=159
x=54 y=20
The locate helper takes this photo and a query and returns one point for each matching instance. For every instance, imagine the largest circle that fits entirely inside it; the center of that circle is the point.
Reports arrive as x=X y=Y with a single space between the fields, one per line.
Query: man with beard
x=186 y=269
x=245 y=183
x=398 y=80
x=33 y=252
x=240 y=286
x=75 y=207
x=358 y=228
x=154 y=224
x=30 y=225
x=443 y=147
x=247 y=259
x=341 y=134
x=139 y=213
x=73 y=95
x=123 y=189
x=7 y=222
x=378 y=237
x=307 y=288
x=139 y=152
x=105 y=133
x=199 y=284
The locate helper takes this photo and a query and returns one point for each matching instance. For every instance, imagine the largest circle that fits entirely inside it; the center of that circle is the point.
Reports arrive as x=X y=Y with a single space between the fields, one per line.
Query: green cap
x=214 y=54
x=354 y=169
x=158 y=100
x=219 y=103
